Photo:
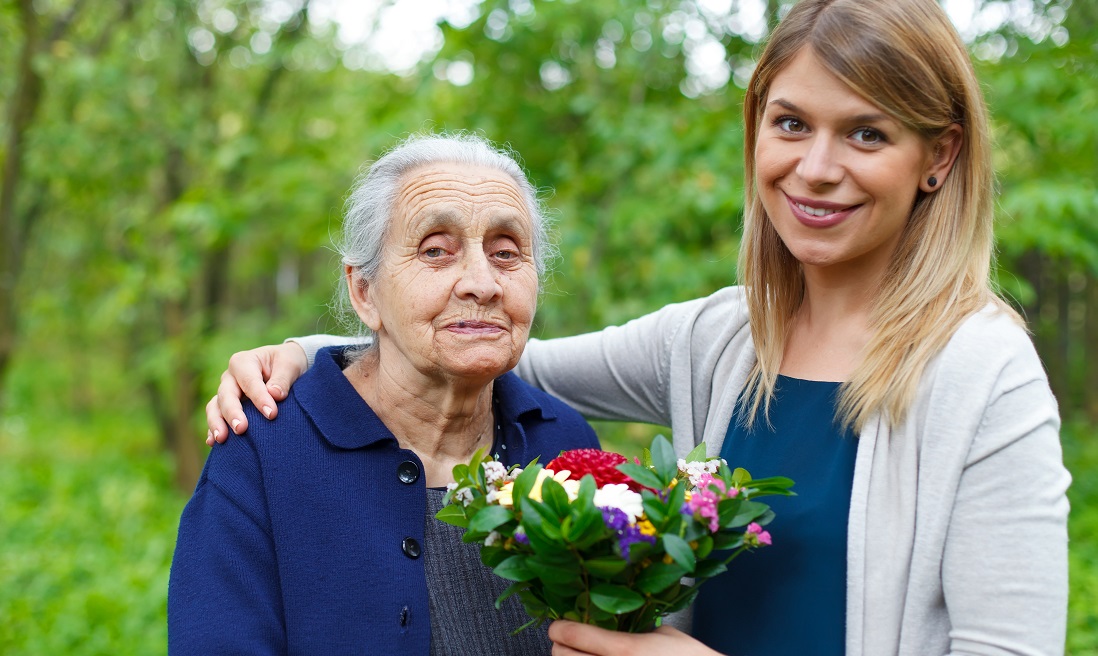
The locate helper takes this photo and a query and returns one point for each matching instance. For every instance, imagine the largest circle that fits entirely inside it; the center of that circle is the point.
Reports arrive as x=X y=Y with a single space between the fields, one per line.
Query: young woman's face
x=837 y=176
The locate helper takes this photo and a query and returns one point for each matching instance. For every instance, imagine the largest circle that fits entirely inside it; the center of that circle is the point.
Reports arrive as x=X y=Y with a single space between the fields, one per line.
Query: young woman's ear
x=361 y=298
x=944 y=149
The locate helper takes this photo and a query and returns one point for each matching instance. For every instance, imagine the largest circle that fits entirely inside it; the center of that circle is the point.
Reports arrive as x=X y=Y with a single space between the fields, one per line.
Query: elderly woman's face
x=457 y=287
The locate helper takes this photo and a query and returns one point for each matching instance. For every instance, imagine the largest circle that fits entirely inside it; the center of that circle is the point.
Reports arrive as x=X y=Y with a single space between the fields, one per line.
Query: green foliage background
x=170 y=184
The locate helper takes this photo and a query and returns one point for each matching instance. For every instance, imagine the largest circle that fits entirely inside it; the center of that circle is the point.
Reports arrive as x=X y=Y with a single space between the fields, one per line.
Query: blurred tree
x=173 y=169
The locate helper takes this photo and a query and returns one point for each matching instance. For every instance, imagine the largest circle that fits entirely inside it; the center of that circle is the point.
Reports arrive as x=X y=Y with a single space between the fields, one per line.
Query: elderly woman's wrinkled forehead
x=454 y=194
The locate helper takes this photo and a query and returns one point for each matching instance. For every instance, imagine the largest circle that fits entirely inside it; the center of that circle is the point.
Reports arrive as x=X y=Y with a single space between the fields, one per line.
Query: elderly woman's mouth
x=474 y=328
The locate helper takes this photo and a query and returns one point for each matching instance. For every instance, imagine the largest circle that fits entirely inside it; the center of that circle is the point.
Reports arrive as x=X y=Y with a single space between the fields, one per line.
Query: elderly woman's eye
x=434 y=251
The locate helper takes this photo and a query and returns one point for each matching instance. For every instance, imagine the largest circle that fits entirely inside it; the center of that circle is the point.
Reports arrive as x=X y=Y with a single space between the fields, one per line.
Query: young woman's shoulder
x=994 y=338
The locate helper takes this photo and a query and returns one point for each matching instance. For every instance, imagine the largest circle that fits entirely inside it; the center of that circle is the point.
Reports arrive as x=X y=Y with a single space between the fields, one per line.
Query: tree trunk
x=25 y=100
x=1090 y=349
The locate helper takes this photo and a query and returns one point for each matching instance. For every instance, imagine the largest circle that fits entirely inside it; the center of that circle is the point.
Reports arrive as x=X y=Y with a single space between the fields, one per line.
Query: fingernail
x=267 y=411
x=236 y=422
x=209 y=441
x=216 y=433
x=277 y=387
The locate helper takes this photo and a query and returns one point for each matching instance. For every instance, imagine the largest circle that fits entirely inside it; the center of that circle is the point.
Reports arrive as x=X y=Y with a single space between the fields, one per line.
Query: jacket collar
x=347 y=422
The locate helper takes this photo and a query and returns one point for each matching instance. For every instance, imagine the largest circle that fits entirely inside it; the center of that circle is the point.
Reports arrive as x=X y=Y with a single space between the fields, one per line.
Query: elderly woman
x=317 y=534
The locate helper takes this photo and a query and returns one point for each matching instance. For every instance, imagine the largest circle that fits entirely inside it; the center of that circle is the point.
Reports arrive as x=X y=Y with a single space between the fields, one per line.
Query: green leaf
x=680 y=551
x=605 y=566
x=664 y=460
x=615 y=598
x=489 y=518
x=515 y=568
x=748 y=512
x=658 y=576
x=697 y=454
x=741 y=477
x=642 y=475
x=453 y=515
x=514 y=588
x=555 y=498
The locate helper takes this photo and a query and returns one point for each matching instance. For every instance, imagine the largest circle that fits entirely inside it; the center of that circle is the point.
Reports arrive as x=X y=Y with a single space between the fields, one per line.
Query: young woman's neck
x=831 y=327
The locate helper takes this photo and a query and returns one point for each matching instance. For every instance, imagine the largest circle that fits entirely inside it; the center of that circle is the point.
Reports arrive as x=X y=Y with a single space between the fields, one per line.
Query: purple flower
x=521 y=537
x=615 y=519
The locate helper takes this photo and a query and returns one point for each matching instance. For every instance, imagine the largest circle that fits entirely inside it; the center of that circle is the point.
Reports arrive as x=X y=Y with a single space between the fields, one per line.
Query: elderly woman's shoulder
x=553 y=414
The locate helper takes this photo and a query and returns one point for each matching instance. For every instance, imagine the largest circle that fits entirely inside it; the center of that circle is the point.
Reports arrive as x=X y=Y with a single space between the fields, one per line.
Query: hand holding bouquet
x=593 y=538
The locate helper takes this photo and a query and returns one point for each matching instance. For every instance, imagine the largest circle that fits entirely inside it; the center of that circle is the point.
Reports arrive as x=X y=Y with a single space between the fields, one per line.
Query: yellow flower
x=506 y=494
x=646 y=527
x=560 y=477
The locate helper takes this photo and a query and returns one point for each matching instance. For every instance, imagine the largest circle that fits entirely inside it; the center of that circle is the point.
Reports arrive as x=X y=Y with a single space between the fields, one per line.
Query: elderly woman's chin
x=478 y=357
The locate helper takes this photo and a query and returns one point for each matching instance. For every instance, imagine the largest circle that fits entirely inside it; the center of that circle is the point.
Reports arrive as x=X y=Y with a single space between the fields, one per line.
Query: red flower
x=602 y=465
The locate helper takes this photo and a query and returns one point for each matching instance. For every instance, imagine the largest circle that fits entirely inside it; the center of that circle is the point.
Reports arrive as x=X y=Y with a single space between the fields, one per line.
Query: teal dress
x=788 y=598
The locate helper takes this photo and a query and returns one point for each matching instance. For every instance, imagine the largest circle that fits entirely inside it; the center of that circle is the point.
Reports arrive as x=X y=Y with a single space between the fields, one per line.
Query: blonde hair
x=905 y=57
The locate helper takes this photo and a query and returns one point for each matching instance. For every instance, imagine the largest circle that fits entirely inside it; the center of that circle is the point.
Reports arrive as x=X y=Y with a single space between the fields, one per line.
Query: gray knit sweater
x=957 y=538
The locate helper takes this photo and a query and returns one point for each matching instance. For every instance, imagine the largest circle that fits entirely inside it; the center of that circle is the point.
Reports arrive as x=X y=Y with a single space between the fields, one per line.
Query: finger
x=229 y=405
x=247 y=374
x=288 y=362
x=216 y=428
x=584 y=639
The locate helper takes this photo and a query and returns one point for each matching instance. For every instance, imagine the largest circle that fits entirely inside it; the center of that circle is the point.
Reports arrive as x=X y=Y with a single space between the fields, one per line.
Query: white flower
x=695 y=470
x=464 y=495
x=493 y=539
x=494 y=471
x=618 y=495
x=491 y=496
x=450 y=487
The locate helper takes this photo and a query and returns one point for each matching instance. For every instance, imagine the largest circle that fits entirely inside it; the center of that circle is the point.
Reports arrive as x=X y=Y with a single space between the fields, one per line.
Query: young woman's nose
x=479 y=279
x=819 y=163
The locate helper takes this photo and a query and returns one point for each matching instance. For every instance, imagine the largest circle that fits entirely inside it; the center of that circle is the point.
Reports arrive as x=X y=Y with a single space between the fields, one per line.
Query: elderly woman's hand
x=575 y=639
x=262 y=374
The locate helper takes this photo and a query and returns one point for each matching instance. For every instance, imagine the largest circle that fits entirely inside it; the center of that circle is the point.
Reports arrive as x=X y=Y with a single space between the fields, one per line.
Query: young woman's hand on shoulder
x=262 y=374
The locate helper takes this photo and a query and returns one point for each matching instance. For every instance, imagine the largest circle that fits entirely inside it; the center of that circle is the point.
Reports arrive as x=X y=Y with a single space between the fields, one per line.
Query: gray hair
x=369 y=207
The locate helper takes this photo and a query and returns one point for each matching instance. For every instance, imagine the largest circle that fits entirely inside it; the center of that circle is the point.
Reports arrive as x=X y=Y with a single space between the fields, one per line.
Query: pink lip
x=473 y=328
x=841 y=212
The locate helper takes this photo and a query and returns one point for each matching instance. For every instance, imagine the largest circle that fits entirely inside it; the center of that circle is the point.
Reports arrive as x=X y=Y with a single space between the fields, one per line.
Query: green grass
x=88 y=516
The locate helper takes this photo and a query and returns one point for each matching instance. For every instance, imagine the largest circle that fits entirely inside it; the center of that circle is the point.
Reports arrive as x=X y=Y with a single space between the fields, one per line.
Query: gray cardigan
x=957 y=537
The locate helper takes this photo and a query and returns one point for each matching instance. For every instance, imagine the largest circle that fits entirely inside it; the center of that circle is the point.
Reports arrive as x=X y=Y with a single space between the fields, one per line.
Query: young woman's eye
x=790 y=124
x=869 y=136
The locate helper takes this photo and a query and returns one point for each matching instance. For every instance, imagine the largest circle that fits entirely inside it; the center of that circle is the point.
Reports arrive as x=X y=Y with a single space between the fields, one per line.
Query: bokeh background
x=173 y=170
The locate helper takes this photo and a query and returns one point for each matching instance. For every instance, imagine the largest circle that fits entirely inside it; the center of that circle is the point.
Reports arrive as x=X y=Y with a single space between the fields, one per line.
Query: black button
x=408 y=472
x=410 y=547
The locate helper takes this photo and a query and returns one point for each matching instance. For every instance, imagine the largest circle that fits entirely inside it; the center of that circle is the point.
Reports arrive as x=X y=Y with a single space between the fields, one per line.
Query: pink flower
x=755 y=535
x=703 y=501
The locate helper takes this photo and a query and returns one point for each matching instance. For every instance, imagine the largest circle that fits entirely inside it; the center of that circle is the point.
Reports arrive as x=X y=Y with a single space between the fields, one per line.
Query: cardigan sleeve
x=1004 y=569
x=619 y=373
x=224 y=594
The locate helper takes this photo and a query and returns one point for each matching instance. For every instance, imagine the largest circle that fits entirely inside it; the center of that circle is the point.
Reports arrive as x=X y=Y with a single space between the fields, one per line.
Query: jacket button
x=408 y=472
x=410 y=547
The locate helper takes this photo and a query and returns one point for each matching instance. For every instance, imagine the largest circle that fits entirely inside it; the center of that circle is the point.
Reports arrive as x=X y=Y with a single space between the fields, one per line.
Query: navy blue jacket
x=298 y=538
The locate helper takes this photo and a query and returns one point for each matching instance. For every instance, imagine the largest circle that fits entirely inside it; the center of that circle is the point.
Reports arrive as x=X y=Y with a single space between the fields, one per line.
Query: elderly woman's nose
x=479 y=279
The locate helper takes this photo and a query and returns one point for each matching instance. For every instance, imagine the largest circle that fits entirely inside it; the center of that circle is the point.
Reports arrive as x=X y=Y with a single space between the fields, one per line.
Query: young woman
x=865 y=356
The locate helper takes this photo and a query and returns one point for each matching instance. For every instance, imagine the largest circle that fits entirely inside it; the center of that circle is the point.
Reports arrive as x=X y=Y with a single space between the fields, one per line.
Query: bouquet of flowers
x=593 y=538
